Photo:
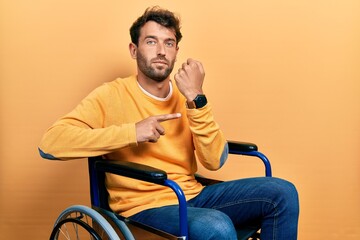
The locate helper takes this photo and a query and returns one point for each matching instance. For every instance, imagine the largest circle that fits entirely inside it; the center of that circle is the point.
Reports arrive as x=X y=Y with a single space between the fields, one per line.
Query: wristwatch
x=199 y=102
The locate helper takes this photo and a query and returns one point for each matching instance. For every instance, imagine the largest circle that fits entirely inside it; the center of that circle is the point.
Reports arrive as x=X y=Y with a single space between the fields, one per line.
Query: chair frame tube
x=264 y=159
x=183 y=225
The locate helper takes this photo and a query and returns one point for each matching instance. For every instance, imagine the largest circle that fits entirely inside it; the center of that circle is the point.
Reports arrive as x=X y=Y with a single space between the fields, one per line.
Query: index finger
x=165 y=117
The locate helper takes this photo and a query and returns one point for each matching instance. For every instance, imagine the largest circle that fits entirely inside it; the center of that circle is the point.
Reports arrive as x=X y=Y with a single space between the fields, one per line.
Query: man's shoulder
x=115 y=86
x=123 y=81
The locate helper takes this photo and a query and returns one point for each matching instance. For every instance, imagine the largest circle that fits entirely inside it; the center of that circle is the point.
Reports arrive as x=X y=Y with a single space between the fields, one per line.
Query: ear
x=133 y=50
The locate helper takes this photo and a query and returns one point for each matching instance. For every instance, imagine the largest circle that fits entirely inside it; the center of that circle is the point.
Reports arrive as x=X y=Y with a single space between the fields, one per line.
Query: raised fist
x=190 y=78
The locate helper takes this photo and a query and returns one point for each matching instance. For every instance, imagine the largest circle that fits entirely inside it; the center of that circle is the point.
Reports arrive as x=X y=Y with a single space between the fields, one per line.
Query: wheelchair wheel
x=81 y=222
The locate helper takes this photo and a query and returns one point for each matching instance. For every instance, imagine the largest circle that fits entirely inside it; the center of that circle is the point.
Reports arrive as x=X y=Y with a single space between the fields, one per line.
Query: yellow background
x=284 y=74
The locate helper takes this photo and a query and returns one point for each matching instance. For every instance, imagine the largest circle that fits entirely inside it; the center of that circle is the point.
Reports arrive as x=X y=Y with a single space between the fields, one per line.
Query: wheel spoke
x=63 y=233
x=79 y=223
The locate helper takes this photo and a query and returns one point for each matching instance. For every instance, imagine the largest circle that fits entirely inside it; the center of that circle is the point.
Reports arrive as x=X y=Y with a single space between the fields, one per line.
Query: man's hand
x=150 y=130
x=190 y=78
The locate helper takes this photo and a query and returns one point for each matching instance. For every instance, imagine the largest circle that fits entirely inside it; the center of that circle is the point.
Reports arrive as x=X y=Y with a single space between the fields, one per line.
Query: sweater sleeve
x=210 y=144
x=82 y=132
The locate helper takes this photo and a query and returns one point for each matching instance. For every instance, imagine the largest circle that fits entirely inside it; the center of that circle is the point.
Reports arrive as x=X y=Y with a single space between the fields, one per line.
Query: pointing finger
x=166 y=117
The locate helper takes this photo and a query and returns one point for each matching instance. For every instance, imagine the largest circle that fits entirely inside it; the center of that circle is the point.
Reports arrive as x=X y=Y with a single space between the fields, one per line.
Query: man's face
x=156 y=51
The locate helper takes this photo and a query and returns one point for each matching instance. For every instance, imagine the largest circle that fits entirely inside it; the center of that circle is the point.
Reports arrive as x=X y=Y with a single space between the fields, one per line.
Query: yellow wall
x=282 y=73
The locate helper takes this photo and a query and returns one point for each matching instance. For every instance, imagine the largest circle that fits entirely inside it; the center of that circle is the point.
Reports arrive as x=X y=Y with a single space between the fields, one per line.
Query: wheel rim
x=78 y=225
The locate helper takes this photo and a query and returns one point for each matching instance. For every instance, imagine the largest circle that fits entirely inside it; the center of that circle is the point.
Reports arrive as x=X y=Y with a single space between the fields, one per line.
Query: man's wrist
x=192 y=95
x=198 y=102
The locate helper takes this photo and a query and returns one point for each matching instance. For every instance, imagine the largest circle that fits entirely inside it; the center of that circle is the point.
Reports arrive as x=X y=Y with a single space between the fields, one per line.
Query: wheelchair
x=99 y=222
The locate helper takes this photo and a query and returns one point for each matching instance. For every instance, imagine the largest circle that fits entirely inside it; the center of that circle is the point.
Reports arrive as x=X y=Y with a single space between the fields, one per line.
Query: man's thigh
x=243 y=200
x=203 y=223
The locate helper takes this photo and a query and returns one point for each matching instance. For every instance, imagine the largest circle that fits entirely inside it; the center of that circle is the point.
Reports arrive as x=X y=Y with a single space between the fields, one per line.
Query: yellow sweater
x=104 y=124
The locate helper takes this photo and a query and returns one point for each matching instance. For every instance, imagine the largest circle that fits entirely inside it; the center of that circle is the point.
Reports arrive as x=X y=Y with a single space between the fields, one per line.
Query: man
x=150 y=119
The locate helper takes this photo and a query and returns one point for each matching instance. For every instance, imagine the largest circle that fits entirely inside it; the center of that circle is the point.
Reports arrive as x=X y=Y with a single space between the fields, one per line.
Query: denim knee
x=281 y=211
x=285 y=196
x=212 y=225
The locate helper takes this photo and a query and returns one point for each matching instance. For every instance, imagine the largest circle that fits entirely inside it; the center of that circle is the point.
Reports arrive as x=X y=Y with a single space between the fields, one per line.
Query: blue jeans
x=268 y=203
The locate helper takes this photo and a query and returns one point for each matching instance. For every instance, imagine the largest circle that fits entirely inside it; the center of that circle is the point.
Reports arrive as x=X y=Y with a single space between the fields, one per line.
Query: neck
x=158 y=89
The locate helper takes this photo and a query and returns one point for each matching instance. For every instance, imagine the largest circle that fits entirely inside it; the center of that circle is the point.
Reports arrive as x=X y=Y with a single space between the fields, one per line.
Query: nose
x=161 y=50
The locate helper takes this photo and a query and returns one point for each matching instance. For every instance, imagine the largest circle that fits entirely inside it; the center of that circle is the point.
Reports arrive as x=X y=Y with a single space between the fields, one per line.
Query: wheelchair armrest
x=250 y=149
x=132 y=170
x=235 y=146
x=140 y=172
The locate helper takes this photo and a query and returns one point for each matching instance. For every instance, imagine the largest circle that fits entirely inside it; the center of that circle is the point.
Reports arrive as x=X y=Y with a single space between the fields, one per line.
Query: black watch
x=199 y=102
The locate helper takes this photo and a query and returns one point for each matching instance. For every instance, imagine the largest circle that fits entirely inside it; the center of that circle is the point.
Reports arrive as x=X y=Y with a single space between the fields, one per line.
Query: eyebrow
x=154 y=37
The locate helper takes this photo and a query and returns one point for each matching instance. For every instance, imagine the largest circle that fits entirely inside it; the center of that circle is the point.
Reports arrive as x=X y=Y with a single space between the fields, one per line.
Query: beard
x=157 y=74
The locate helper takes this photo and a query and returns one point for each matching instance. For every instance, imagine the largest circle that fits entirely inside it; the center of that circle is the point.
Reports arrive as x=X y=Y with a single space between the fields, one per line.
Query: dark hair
x=160 y=16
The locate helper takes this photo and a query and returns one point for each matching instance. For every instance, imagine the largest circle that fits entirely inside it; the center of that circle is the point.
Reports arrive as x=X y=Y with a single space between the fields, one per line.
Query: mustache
x=163 y=59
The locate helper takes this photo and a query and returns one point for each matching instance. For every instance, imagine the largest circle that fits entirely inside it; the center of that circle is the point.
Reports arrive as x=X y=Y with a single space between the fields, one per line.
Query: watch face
x=200 y=101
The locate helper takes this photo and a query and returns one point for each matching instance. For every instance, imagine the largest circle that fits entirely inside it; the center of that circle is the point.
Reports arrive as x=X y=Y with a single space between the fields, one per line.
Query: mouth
x=161 y=62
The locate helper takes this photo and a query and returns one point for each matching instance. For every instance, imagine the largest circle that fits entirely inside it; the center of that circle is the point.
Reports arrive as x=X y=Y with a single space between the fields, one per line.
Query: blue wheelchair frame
x=98 y=168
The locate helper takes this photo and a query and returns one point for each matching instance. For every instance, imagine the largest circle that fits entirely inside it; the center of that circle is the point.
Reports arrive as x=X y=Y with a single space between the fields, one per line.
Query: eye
x=151 y=42
x=170 y=44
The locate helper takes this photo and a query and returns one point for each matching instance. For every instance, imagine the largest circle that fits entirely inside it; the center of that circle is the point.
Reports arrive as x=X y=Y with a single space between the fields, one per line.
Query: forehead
x=154 y=29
